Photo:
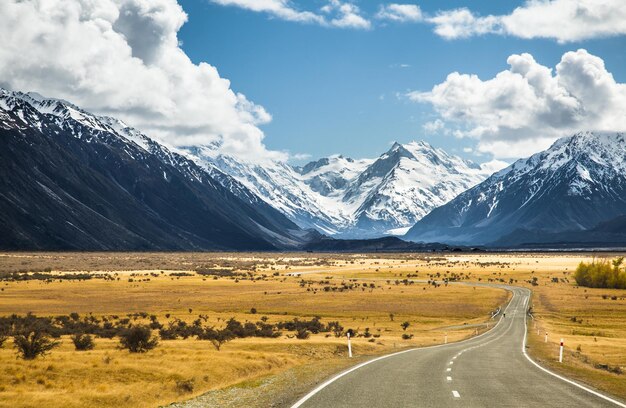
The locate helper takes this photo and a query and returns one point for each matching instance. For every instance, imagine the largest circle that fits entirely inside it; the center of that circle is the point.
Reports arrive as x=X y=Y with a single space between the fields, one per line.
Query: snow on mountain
x=355 y=198
x=72 y=179
x=577 y=183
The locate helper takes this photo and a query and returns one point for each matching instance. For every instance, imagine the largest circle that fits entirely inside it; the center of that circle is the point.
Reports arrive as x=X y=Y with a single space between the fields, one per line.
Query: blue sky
x=341 y=90
x=276 y=79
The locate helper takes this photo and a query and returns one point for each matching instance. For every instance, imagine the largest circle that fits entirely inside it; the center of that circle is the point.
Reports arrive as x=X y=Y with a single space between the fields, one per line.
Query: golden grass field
x=108 y=376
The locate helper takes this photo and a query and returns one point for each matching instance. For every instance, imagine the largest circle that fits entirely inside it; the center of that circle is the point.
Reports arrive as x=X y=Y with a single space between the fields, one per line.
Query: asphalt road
x=487 y=371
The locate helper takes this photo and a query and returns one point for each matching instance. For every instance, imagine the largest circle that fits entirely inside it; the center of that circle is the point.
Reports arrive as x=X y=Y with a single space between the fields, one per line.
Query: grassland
x=183 y=368
x=359 y=291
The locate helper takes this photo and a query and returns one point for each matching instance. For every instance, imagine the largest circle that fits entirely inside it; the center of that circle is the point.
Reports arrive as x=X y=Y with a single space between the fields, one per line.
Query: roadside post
x=349 y=334
x=561 y=352
x=445 y=339
x=546 y=339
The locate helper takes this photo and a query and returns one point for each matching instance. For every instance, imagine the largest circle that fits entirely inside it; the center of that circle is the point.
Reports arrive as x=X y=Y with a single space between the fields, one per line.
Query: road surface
x=490 y=370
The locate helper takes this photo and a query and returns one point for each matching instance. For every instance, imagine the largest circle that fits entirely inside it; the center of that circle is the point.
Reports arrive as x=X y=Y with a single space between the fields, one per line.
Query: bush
x=406 y=336
x=302 y=334
x=217 y=337
x=185 y=386
x=83 y=342
x=601 y=274
x=33 y=342
x=138 y=339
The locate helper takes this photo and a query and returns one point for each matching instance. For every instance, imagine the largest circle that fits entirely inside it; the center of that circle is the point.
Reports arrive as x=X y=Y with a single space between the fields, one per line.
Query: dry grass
x=181 y=369
x=68 y=378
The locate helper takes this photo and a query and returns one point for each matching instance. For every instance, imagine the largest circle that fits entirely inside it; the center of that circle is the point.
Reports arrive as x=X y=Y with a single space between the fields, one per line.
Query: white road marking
x=308 y=396
x=597 y=394
x=451 y=362
x=448 y=369
x=456 y=394
x=449 y=378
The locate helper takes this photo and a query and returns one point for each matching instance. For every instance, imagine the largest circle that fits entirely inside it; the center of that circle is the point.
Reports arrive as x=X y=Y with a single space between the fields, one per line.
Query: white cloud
x=338 y=14
x=492 y=166
x=562 y=20
x=122 y=58
x=523 y=109
x=400 y=12
x=283 y=9
x=461 y=23
x=347 y=15
x=434 y=126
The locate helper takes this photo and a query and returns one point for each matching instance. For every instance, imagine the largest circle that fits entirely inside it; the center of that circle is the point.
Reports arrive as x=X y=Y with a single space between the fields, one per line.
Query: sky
x=298 y=80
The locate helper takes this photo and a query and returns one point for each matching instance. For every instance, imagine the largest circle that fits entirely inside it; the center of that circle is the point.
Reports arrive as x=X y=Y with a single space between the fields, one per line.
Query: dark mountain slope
x=576 y=184
x=70 y=181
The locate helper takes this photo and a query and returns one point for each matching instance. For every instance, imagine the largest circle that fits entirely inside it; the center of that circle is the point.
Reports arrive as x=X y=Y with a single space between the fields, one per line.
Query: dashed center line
x=448 y=369
x=451 y=362
x=456 y=394
x=449 y=378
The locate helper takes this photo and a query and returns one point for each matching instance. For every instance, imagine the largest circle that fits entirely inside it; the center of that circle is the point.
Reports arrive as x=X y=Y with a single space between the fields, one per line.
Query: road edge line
x=356 y=367
x=567 y=380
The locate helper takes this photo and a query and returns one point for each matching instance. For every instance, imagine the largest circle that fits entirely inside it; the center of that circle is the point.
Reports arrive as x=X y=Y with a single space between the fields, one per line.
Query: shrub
x=217 y=337
x=406 y=336
x=601 y=274
x=405 y=325
x=33 y=342
x=138 y=339
x=83 y=342
x=302 y=334
x=185 y=386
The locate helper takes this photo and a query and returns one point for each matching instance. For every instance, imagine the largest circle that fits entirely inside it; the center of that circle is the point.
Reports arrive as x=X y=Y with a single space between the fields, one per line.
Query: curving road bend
x=490 y=370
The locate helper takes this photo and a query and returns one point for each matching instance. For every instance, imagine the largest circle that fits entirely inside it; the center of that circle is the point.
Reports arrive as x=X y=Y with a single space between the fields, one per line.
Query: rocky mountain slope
x=347 y=198
x=73 y=180
x=575 y=185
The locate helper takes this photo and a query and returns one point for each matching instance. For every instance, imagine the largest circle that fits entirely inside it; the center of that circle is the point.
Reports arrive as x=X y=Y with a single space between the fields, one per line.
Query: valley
x=373 y=294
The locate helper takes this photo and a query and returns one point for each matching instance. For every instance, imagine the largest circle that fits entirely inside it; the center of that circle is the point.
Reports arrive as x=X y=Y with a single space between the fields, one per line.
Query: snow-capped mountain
x=355 y=198
x=579 y=182
x=73 y=180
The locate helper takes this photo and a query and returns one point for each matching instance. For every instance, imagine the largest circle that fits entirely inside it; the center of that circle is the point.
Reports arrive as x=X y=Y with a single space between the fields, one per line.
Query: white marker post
x=445 y=339
x=546 y=339
x=349 y=346
x=561 y=352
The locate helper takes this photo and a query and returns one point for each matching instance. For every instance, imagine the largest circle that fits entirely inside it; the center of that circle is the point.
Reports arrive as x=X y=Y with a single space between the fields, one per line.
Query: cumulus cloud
x=122 y=58
x=400 y=12
x=525 y=108
x=562 y=20
x=334 y=14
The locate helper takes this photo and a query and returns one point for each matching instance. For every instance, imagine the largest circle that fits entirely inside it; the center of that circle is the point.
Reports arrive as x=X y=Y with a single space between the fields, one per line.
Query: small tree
x=83 y=342
x=138 y=339
x=33 y=342
x=405 y=325
x=217 y=337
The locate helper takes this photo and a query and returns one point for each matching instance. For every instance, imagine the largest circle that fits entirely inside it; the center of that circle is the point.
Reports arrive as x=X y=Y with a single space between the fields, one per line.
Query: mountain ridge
x=72 y=181
x=579 y=182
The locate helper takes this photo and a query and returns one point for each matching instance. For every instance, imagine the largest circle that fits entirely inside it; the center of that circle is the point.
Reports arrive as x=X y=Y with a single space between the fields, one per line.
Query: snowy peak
x=575 y=184
x=355 y=197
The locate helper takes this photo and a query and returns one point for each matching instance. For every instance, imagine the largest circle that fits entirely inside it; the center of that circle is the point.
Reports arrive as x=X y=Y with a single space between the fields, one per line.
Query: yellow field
x=283 y=287
x=109 y=376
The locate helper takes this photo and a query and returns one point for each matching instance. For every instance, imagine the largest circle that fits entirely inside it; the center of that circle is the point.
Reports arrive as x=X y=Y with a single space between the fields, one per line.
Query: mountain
x=73 y=180
x=578 y=183
x=349 y=198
